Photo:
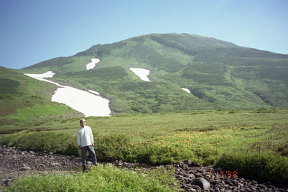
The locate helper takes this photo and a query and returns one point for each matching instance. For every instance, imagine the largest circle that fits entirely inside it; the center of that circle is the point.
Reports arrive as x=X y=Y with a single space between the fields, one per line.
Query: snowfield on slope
x=83 y=101
x=186 y=90
x=48 y=74
x=87 y=103
x=141 y=73
x=92 y=64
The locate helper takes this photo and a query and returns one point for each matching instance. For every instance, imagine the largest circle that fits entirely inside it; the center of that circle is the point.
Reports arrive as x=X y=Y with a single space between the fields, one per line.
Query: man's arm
x=78 y=139
x=91 y=136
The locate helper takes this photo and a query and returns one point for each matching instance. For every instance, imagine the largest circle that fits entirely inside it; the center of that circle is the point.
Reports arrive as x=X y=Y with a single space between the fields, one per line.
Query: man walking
x=85 y=142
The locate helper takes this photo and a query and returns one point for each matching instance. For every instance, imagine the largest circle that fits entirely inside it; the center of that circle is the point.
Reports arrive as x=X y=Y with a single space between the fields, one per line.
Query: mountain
x=219 y=75
x=25 y=101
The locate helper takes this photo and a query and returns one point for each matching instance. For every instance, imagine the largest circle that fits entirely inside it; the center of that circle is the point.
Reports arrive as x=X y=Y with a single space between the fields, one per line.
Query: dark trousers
x=92 y=154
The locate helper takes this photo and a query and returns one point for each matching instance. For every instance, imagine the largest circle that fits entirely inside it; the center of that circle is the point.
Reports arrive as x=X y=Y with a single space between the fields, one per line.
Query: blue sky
x=36 y=30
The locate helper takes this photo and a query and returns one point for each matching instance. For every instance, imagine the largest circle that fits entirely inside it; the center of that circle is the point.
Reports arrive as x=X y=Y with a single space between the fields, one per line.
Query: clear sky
x=36 y=30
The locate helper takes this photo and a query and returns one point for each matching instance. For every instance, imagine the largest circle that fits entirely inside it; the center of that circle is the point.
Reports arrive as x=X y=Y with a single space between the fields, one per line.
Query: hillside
x=25 y=101
x=220 y=75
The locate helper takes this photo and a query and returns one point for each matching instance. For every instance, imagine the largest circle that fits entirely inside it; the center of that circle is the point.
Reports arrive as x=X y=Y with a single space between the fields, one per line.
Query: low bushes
x=265 y=110
x=56 y=142
x=111 y=147
x=266 y=166
x=108 y=148
x=154 y=154
x=114 y=147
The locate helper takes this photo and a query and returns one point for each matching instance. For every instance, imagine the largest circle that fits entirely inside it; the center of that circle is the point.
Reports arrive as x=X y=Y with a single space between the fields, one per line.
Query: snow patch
x=186 y=90
x=141 y=73
x=82 y=101
x=92 y=64
x=48 y=74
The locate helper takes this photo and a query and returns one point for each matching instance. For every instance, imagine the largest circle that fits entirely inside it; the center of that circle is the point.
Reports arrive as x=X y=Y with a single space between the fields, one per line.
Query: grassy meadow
x=254 y=143
x=101 y=178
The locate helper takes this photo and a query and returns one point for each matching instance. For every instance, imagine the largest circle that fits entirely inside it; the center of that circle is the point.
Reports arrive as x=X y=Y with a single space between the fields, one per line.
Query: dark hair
x=82 y=120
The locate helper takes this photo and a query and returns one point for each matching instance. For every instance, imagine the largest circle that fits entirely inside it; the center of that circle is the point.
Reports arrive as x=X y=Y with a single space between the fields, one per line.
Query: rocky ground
x=211 y=179
x=15 y=163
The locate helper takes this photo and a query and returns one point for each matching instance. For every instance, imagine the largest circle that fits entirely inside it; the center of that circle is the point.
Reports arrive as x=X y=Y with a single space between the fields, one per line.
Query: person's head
x=82 y=122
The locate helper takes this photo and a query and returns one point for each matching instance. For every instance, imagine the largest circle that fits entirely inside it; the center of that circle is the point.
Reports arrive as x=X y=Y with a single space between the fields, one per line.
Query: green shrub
x=167 y=154
x=283 y=148
x=111 y=147
x=56 y=142
x=266 y=110
x=156 y=155
x=266 y=166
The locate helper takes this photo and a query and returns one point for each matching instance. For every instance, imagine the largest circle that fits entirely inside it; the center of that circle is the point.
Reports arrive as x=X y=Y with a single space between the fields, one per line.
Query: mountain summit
x=187 y=72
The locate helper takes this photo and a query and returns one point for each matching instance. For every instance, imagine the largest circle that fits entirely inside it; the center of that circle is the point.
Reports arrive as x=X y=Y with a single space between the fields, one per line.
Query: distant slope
x=60 y=64
x=24 y=100
x=219 y=74
x=130 y=94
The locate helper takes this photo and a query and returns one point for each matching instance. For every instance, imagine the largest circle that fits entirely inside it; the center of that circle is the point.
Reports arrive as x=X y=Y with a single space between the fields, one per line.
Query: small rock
x=218 y=190
x=198 y=175
x=25 y=168
x=185 y=167
x=201 y=182
x=262 y=186
x=41 y=167
x=120 y=163
x=249 y=189
x=253 y=182
x=7 y=182
x=253 y=188
x=191 y=176
x=197 y=188
x=187 y=162
x=177 y=169
x=200 y=170
x=55 y=164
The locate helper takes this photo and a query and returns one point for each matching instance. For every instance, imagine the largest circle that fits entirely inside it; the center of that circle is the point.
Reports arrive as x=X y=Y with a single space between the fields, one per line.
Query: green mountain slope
x=129 y=94
x=219 y=74
x=27 y=101
x=60 y=64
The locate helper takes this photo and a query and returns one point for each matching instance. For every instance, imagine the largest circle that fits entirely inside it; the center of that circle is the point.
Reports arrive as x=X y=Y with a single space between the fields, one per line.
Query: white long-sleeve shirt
x=84 y=136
